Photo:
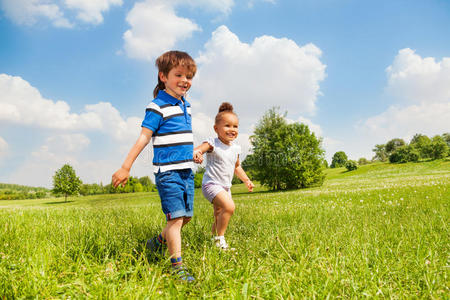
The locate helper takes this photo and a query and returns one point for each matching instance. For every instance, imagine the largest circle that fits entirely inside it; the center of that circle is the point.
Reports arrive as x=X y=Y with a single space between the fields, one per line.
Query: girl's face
x=227 y=128
x=177 y=82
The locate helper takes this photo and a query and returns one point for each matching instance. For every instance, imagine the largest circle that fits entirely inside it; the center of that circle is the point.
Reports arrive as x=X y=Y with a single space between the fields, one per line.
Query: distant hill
x=21 y=188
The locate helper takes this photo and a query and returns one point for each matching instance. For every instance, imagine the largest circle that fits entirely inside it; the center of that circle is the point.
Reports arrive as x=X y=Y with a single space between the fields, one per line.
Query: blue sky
x=76 y=75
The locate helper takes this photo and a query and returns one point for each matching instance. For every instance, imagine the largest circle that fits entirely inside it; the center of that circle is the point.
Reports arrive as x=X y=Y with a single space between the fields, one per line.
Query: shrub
x=351 y=165
x=339 y=159
x=404 y=154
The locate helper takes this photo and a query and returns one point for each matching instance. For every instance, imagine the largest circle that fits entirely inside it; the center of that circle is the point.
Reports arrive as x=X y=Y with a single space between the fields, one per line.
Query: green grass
x=380 y=231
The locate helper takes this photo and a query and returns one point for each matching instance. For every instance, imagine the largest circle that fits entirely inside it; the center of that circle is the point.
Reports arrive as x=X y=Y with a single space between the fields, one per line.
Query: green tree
x=404 y=154
x=66 y=182
x=198 y=177
x=439 y=147
x=446 y=137
x=285 y=156
x=422 y=144
x=363 y=161
x=351 y=165
x=394 y=144
x=380 y=153
x=339 y=159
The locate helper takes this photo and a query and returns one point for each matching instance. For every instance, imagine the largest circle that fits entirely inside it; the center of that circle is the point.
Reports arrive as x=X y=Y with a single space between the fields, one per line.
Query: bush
x=363 y=161
x=339 y=159
x=351 y=165
x=404 y=154
x=439 y=147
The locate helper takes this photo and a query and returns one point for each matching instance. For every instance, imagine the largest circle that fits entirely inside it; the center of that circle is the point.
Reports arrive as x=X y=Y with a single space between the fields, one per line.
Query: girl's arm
x=121 y=175
x=243 y=176
x=199 y=150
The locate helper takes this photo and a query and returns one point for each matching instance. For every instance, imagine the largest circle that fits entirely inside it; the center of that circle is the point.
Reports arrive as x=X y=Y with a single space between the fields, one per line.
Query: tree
x=351 y=165
x=363 y=161
x=404 y=154
x=198 y=177
x=380 y=153
x=339 y=159
x=285 y=156
x=394 y=144
x=422 y=144
x=66 y=182
x=439 y=147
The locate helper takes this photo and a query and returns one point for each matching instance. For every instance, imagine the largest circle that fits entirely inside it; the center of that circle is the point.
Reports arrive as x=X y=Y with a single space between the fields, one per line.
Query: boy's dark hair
x=169 y=60
x=224 y=108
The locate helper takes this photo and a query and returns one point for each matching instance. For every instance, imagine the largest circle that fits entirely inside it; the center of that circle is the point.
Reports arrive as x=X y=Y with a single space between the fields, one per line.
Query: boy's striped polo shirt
x=173 y=142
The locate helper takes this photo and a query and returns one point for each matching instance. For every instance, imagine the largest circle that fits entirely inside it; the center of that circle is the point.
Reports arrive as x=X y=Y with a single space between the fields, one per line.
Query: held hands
x=120 y=177
x=249 y=185
x=198 y=156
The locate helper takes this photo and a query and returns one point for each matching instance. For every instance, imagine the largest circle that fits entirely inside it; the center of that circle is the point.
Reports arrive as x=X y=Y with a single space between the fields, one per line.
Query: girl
x=222 y=162
x=168 y=123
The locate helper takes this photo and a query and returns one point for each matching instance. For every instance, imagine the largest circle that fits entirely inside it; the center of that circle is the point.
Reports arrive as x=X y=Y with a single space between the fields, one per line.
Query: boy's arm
x=243 y=176
x=121 y=175
x=199 y=150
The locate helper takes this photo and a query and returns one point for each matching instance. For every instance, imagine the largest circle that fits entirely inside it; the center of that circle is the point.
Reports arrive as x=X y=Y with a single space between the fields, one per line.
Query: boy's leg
x=172 y=234
x=223 y=210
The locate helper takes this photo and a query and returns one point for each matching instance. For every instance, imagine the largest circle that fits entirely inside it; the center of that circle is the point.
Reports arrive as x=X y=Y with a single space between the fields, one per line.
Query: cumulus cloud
x=416 y=79
x=254 y=77
x=155 y=28
x=221 y=6
x=23 y=104
x=3 y=148
x=90 y=11
x=421 y=81
x=29 y=12
x=404 y=122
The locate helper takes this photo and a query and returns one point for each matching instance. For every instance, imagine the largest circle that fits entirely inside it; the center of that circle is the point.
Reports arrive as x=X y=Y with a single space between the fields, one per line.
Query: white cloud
x=421 y=81
x=222 y=6
x=3 y=148
x=28 y=12
x=254 y=77
x=68 y=142
x=416 y=79
x=90 y=11
x=23 y=104
x=155 y=28
x=404 y=122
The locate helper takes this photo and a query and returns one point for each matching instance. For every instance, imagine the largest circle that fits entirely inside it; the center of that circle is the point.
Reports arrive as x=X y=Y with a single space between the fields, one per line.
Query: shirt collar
x=163 y=95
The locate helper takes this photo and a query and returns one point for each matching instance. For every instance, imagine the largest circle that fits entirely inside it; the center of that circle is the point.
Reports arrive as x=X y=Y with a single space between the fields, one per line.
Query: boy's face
x=177 y=82
x=228 y=128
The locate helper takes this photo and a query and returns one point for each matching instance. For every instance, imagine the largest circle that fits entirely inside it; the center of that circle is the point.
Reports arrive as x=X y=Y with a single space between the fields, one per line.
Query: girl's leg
x=172 y=233
x=223 y=210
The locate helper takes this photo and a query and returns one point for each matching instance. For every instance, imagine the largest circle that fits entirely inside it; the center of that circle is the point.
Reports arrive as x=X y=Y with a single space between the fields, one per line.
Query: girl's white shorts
x=210 y=190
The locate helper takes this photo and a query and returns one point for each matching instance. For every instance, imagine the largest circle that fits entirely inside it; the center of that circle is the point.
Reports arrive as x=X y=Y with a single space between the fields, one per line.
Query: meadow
x=378 y=232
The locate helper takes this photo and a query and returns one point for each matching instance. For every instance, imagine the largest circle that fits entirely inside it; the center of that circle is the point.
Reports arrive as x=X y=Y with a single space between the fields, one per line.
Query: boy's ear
x=162 y=77
x=215 y=128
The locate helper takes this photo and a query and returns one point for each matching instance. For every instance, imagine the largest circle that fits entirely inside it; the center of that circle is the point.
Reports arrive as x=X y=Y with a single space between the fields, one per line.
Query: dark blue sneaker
x=156 y=249
x=182 y=274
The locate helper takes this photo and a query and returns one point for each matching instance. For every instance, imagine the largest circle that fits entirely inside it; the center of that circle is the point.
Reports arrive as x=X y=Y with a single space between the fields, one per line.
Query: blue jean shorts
x=176 y=190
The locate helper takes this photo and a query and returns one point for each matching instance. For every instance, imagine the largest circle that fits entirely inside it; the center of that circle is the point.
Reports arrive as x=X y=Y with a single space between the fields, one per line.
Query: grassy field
x=380 y=231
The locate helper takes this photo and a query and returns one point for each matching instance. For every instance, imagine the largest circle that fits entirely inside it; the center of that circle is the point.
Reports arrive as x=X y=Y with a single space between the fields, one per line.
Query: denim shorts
x=210 y=190
x=176 y=190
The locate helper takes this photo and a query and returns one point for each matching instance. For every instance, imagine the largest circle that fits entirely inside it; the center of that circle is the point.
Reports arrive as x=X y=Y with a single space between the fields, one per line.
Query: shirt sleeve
x=153 y=118
x=211 y=142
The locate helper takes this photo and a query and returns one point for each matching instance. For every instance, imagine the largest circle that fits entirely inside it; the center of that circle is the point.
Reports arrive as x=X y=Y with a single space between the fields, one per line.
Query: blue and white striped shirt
x=173 y=142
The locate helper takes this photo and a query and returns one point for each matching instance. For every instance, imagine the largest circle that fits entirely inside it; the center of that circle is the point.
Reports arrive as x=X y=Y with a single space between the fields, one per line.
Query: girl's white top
x=220 y=163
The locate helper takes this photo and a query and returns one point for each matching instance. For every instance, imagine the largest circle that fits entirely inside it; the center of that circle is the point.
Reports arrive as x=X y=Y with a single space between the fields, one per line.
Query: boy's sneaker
x=155 y=247
x=222 y=244
x=182 y=274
